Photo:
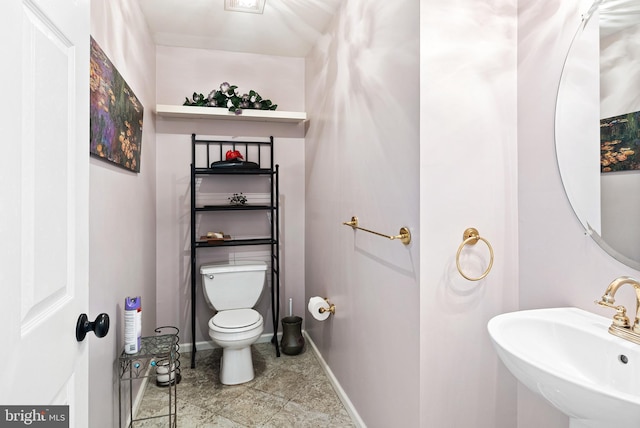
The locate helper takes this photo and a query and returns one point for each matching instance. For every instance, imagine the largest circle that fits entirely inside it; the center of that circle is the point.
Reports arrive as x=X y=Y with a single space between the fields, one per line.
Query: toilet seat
x=235 y=320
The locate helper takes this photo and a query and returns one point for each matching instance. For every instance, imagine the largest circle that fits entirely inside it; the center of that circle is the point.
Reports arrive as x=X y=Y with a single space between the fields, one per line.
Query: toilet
x=233 y=289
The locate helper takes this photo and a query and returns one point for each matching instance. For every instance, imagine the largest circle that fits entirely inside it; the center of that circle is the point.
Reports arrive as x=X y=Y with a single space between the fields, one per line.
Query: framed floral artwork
x=115 y=114
x=620 y=143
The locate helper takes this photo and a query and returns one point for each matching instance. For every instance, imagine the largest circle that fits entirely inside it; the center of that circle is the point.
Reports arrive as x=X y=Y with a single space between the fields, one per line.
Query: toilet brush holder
x=292 y=340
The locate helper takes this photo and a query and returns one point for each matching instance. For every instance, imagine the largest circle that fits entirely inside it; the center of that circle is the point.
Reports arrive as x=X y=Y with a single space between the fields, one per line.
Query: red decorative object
x=233 y=154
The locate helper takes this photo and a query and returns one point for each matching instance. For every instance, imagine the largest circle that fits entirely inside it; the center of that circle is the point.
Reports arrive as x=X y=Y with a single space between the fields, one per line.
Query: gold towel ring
x=471 y=237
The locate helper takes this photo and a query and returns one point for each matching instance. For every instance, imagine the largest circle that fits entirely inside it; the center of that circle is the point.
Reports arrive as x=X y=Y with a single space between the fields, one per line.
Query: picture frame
x=116 y=114
x=620 y=143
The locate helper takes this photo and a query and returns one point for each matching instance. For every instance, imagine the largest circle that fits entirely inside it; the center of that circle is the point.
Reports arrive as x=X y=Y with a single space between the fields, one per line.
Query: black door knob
x=100 y=326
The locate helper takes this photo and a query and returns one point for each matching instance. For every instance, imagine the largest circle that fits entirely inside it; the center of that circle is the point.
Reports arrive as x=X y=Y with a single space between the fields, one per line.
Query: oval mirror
x=598 y=127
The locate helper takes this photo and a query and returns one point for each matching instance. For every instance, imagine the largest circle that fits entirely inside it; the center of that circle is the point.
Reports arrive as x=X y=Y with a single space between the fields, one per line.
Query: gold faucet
x=621 y=326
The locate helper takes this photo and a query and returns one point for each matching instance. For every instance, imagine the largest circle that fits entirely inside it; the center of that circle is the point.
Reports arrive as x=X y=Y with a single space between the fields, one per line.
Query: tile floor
x=290 y=391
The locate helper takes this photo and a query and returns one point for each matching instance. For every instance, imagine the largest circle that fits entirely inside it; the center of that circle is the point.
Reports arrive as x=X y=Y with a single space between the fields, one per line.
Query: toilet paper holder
x=332 y=307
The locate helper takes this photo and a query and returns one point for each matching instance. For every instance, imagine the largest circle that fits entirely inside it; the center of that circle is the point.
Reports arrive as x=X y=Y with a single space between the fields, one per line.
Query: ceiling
x=286 y=28
x=616 y=15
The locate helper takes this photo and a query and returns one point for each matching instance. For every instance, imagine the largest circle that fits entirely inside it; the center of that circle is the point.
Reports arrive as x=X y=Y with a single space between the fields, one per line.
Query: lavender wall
x=362 y=147
x=559 y=264
x=180 y=72
x=122 y=232
x=468 y=178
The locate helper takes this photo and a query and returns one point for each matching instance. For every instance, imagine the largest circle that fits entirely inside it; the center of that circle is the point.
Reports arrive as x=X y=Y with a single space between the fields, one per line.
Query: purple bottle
x=132 y=324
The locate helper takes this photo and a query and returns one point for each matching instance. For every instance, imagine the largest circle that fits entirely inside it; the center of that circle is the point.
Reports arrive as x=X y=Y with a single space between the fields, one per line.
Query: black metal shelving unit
x=252 y=151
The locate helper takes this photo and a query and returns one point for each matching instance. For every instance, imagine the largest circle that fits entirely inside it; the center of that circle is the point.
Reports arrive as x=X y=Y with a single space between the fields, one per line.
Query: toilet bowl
x=235 y=330
x=233 y=289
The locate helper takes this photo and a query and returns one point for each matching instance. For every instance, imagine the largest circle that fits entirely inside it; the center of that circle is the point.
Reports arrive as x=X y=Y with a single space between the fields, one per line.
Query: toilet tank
x=233 y=285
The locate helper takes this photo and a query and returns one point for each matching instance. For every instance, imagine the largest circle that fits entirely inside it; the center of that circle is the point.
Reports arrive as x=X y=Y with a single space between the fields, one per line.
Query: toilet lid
x=236 y=318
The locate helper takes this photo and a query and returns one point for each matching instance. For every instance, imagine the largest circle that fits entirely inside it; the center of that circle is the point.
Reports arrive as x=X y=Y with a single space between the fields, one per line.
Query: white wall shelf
x=219 y=113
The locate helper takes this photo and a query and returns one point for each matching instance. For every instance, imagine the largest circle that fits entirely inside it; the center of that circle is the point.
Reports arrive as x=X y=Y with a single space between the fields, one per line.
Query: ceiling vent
x=250 y=6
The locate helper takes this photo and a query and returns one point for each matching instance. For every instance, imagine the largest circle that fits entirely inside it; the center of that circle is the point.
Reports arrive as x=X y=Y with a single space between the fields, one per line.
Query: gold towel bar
x=471 y=236
x=404 y=235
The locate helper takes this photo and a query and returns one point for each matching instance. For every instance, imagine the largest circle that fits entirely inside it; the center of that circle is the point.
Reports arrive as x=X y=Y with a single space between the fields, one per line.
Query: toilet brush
x=292 y=340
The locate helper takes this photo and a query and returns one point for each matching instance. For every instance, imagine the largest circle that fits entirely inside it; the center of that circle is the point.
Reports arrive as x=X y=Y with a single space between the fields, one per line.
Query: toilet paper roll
x=164 y=376
x=315 y=303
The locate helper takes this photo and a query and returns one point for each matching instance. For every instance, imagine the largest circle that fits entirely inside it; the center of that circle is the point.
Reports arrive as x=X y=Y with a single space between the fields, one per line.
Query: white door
x=44 y=172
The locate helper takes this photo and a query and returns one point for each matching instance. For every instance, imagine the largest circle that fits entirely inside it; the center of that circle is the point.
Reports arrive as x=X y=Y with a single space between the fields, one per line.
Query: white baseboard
x=265 y=338
x=342 y=395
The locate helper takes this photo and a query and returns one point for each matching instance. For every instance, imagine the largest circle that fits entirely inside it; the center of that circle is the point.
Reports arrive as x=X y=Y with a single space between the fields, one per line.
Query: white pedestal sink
x=567 y=356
